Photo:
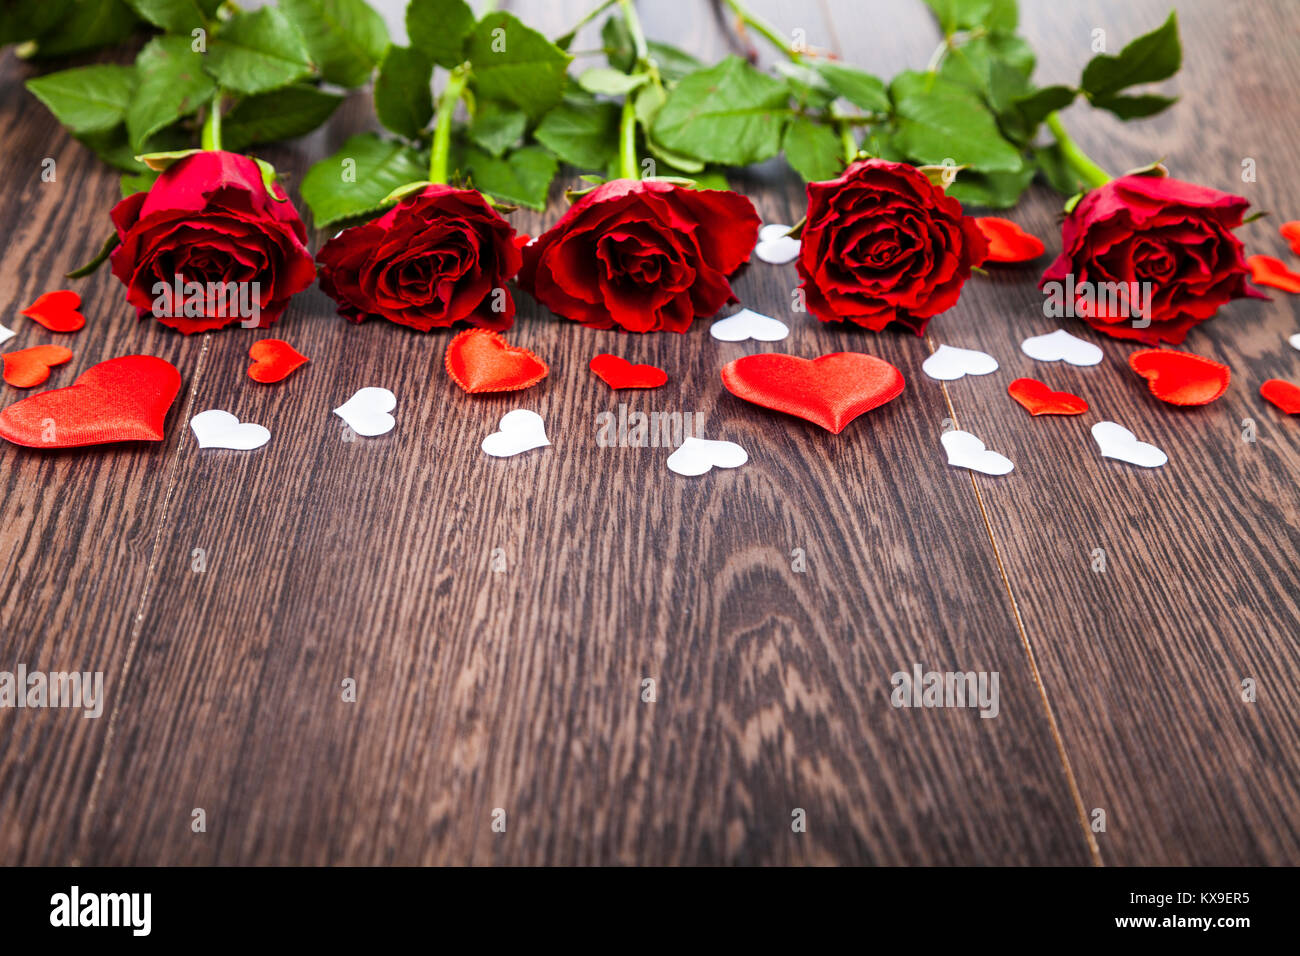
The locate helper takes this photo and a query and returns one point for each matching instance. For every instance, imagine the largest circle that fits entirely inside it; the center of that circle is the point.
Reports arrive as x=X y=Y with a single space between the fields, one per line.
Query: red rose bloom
x=883 y=244
x=1144 y=229
x=210 y=221
x=435 y=258
x=644 y=255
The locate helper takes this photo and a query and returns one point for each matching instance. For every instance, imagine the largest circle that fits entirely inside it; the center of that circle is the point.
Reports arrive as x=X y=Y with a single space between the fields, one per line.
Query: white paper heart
x=366 y=412
x=220 y=429
x=6 y=334
x=696 y=456
x=748 y=324
x=949 y=363
x=1061 y=346
x=966 y=451
x=1116 y=441
x=1294 y=340
x=775 y=246
x=520 y=431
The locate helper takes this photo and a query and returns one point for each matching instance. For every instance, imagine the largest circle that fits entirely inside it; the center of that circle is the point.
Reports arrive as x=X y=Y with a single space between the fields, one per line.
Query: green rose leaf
x=1035 y=107
x=346 y=39
x=497 y=126
x=581 y=131
x=857 y=86
x=729 y=113
x=403 y=91
x=813 y=149
x=673 y=63
x=1150 y=58
x=611 y=82
x=176 y=16
x=994 y=190
x=439 y=29
x=88 y=98
x=523 y=177
x=86 y=25
x=939 y=120
x=257 y=52
x=171 y=84
x=1135 y=107
x=289 y=112
x=954 y=15
x=517 y=64
x=354 y=181
x=620 y=48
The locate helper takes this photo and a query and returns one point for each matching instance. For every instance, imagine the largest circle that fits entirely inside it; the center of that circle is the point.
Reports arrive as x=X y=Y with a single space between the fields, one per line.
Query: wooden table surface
x=522 y=690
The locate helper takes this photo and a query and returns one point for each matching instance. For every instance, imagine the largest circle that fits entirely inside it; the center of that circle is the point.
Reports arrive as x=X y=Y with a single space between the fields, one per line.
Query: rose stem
x=850 y=144
x=1076 y=158
x=600 y=8
x=763 y=28
x=628 y=168
x=211 y=135
x=451 y=95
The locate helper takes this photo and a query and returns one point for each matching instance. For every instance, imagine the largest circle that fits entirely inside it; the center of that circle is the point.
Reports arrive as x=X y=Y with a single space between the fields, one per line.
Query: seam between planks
x=138 y=624
x=1093 y=849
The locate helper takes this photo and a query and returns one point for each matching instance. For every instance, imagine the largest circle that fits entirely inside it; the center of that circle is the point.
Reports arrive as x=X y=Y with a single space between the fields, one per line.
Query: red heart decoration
x=1038 y=399
x=1007 y=241
x=57 y=311
x=1181 y=378
x=1291 y=233
x=829 y=391
x=1282 y=394
x=479 y=360
x=620 y=373
x=123 y=399
x=1269 y=270
x=274 y=360
x=29 y=367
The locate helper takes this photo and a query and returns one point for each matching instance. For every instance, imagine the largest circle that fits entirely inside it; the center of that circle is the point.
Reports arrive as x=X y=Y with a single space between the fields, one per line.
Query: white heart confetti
x=948 y=363
x=748 y=324
x=220 y=429
x=1061 y=346
x=1294 y=340
x=696 y=456
x=775 y=246
x=1116 y=441
x=366 y=412
x=6 y=334
x=520 y=431
x=967 y=451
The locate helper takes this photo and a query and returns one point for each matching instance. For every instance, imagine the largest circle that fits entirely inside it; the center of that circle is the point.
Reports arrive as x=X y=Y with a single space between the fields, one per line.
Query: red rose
x=642 y=254
x=883 y=244
x=1145 y=248
x=239 y=253
x=435 y=258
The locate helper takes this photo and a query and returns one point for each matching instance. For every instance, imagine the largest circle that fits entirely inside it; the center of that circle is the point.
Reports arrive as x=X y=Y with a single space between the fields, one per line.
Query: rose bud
x=208 y=246
x=440 y=256
x=644 y=255
x=883 y=244
x=1147 y=258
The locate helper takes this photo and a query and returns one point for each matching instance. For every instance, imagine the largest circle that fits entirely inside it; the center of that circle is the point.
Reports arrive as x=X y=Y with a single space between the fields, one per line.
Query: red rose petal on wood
x=274 y=360
x=57 y=311
x=1181 y=378
x=1291 y=233
x=1282 y=394
x=29 y=367
x=1008 y=242
x=1038 y=399
x=479 y=360
x=1271 y=271
x=829 y=391
x=618 y=372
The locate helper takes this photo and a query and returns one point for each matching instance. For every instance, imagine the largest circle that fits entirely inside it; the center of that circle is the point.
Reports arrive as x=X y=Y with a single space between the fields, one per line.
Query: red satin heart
x=1181 y=378
x=1282 y=394
x=1007 y=241
x=57 y=311
x=479 y=360
x=1038 y=399
x=274 y=360
x=620 y=373
x=123 y=399
x=1271 y=271
x=1291 y=233
x=29 y=367
x=829 y=391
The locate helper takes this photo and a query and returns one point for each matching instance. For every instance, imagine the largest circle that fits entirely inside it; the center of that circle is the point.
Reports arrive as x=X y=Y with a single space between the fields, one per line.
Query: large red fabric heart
x=29 y=367
x=829 y=391
x=1038 y=399
x=1282 y=394
x=618 y=372
x=1007 y=241
x=1181 y=378
x=273 y=361
x=57 y=311
x=123 y=399
x=479 y=360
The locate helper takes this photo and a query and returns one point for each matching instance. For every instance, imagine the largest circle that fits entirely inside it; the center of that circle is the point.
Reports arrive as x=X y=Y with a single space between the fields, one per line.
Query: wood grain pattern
x=371 y=559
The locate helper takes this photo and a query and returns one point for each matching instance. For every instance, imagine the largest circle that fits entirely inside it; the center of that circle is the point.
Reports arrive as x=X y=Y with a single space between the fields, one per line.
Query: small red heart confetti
x=829 y=391
x=479 y=360
x=1007 y=241
x=1271 y=271
x=1181 y=378
x=57 y=311
x=29 y=367
x=1282 y=394
x=1038 y=399
x=123 y=399
x=620 y=373
x=1291 y=233
x=274 y=360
